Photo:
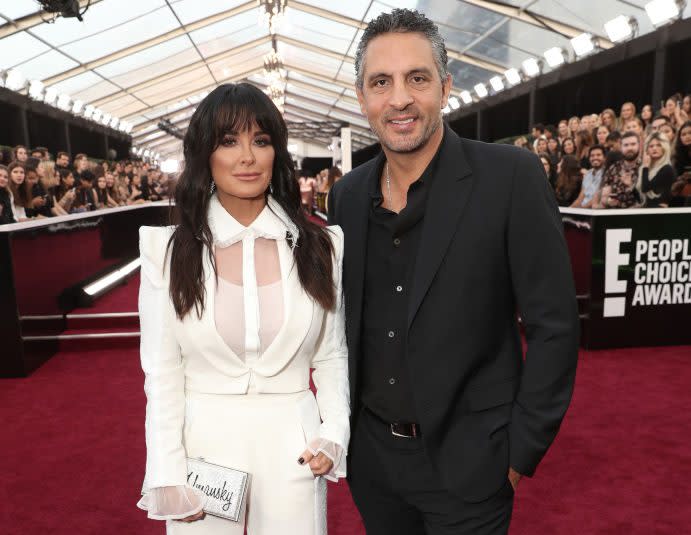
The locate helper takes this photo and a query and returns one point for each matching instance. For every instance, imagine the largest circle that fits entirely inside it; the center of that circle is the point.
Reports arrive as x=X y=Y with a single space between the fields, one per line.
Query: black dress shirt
x=392 y=245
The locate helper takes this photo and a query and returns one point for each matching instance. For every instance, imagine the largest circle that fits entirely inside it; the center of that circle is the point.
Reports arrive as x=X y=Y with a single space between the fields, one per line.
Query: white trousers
x=263 y=435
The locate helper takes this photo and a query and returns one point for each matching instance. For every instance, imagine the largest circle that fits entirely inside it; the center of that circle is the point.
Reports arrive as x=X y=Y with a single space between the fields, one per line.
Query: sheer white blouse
x=248 y=314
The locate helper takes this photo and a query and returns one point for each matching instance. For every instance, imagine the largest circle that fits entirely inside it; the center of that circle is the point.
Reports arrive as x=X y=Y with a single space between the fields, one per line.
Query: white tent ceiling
x=147 y=60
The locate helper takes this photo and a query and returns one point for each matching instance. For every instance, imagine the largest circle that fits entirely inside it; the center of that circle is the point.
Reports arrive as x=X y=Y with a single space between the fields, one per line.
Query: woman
x=112 y=189
x=584 y=140
x=134 y=190
x=608 y=118
x=20 y=193
x=540 y=145
x=6 y=200
x=656 y=174
x=237 y=302
x=681 y=189
x=647 y=115
x=568 y=148
x=308 y=185
x=568 y=181
x=103 y=198
x=574 y=125
x=601 y=135
x=334 y=174
x=548 y=166
x=674 y=112
x=66 y=192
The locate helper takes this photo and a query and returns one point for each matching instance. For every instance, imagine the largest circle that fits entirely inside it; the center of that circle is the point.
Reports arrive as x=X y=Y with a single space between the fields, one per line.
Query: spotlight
x=114 y=122
x=531 y=67
x=555 y=56
x=513 y=76
x=583 y=44
x=50 y=96
x=481 y=90
x=466 y=97
x=105 y=118
x=36 y=88
x=621 y=28
x=96 y=116
x=445 y=110
x=663 y=11
x=497 y=83
x=100 y=286
x=454 y=104
x=77 y=107
x=15 y=80
x=89 y=111
x=64 y=102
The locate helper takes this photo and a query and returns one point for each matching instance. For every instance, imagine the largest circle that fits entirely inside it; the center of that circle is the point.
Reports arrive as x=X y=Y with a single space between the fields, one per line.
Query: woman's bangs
x=239 y=111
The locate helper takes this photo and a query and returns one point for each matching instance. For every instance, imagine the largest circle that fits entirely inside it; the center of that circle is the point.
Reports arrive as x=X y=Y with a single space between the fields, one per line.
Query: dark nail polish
x=301 y=461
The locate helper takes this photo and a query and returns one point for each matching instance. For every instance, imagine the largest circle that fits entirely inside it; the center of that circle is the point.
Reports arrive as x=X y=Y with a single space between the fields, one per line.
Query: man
x=445 y=239
x=538 y=131
x=619 y=180
x=613 y=142
x=592 y=179
x=658 y=122
x=63 y=160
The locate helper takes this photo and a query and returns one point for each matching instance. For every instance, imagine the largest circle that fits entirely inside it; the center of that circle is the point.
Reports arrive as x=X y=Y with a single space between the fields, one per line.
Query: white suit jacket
x=190 y=354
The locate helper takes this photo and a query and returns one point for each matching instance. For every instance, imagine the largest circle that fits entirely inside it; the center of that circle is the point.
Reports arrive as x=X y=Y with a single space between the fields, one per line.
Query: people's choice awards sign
x=661 y=272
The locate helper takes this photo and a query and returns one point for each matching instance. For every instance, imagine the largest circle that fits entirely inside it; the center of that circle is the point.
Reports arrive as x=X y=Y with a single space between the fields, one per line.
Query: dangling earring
x=212 y=188
x=271 y=188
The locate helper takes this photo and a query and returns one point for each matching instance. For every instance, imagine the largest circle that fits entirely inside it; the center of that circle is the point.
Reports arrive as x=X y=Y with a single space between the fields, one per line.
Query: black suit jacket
x=492 y=244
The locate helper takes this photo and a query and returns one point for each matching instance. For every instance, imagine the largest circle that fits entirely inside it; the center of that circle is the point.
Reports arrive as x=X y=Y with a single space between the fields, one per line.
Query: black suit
x=492 y=244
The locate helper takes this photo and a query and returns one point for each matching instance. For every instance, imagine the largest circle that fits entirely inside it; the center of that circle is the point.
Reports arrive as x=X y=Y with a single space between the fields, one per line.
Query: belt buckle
x=394 y=433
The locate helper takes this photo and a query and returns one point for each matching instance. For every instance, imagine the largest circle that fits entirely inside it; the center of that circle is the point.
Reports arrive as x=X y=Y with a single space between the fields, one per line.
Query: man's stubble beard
x=413 y=144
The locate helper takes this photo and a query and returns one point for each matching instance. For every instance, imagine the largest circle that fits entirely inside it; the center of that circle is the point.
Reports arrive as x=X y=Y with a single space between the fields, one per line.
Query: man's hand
x=514 y=478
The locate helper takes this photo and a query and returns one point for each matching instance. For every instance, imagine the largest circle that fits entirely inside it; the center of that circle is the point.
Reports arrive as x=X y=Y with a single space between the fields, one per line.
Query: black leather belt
x=403 y=430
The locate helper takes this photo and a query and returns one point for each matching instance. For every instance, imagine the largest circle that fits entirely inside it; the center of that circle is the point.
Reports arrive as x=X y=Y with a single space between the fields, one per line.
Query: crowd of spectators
x=630 y=161
x=33 y=185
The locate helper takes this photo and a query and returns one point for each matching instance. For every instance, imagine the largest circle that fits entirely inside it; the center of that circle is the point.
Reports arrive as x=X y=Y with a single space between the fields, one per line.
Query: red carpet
x=73 y=450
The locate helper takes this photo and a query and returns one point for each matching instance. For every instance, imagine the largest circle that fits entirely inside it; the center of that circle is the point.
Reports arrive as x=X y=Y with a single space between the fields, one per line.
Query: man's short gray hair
x=403 y=21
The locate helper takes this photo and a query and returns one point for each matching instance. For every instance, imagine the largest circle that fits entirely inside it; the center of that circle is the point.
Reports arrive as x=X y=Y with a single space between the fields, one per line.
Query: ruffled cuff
x=172 y=503
x=334 y=452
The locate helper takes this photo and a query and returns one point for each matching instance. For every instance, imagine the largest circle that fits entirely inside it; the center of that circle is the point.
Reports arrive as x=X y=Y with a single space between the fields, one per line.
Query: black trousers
x=399 y=492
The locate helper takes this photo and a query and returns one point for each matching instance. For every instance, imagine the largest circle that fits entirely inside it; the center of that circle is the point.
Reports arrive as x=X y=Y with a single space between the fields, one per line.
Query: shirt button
x=392 y=381
x=397 y=242
x=391 y=334
x=399 y=288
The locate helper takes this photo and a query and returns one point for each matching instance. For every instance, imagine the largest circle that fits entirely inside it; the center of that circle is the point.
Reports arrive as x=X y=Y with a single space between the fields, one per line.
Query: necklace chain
x=388 y=184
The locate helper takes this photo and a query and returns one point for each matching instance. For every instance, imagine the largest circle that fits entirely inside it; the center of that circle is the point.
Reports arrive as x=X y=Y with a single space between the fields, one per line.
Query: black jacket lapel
x=447 y=199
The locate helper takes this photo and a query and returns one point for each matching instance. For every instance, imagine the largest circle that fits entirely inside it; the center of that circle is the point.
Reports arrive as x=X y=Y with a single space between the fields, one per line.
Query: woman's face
x=607 y=119
x=21 y=154
x=541 y=145
x=552 y=145
x=686 y=104
x=110 y=180
x=136 y=180
x=69 y=180
x=569 y=147
x=602 y=134
x=17 y=176
x=655 y=149
x=242 y=165
x=4 y=179
x=574 y=125
x=545 y=164
x=647 y=112
x=686 y=136
x=670 y=106
x=101 y=182
x=31 y=177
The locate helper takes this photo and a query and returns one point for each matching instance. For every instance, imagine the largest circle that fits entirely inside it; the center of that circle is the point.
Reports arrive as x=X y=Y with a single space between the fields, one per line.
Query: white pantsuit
x=257 y=413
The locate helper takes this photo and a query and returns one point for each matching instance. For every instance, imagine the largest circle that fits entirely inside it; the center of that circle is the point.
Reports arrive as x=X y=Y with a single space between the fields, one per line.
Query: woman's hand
x=320 y=464
x=646 y=160
x=192 y=518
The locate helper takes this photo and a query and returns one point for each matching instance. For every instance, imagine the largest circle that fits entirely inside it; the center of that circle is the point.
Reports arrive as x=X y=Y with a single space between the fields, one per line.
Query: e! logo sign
x=615 y=306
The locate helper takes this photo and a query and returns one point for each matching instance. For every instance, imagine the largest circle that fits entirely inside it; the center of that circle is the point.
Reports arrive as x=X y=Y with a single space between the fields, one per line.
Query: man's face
x=63 y=160
x=563 y=130
x=402 y=95
x=596 y=158
x=629 y=148
x=657 y=123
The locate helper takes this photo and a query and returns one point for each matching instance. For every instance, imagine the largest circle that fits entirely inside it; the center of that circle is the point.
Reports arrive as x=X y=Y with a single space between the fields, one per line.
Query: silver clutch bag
x=225 y=488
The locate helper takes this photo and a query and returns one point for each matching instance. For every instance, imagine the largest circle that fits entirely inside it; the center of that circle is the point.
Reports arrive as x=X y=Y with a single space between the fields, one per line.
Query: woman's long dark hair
x=235 y=108
x=681 y=153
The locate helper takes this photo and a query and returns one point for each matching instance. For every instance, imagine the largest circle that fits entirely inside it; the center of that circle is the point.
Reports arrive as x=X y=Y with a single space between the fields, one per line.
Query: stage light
x=89 y=111
x=497 y=83
x=621 y=28
x=663 y=11
x=481 y=90
x=36 y=88
x=100 y=286
x=531 y=67
x=466 y=97
x=77 y=107
x=454 y=104
x=513 y=76
x=64 y=102
x=583 y=44
x=105 y=118
x=114 y=122
x=446 y=110
x=96 y=116
x=15 y=80
x=50 y=96
x=555 y=56
x=147 y=153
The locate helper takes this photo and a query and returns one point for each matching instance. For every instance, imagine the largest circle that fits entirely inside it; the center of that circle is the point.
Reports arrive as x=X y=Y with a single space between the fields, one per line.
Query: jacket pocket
x=484 y=397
